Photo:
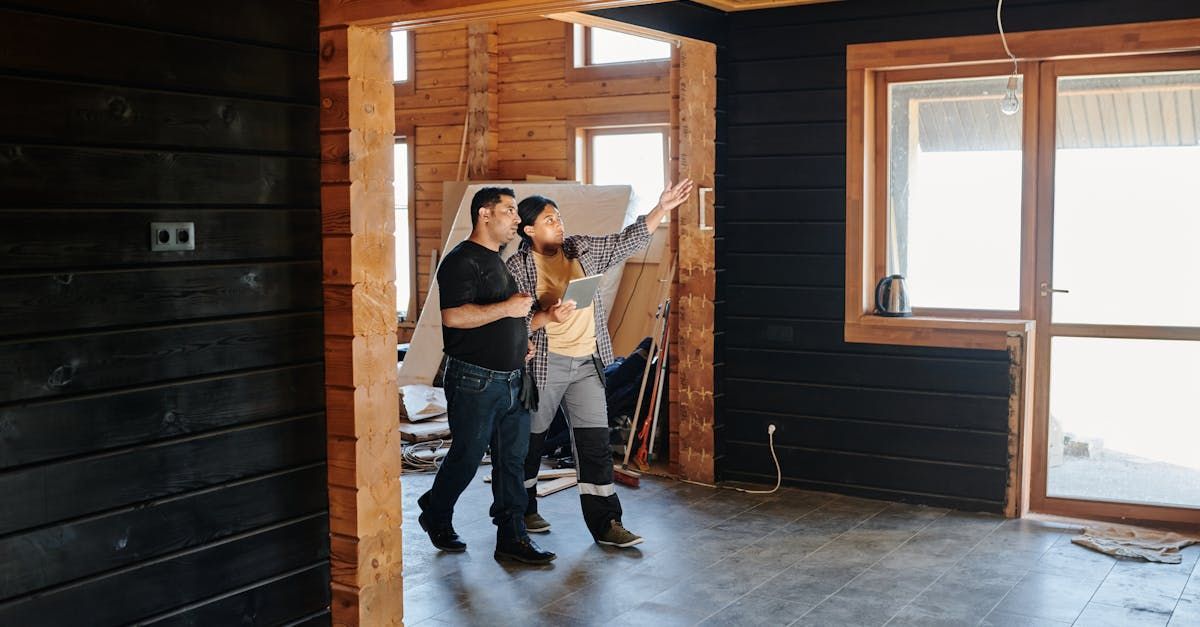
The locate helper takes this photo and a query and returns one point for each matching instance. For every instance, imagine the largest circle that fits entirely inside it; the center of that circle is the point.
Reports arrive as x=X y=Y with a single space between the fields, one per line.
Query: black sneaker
x=534 y=523
x=524 y=550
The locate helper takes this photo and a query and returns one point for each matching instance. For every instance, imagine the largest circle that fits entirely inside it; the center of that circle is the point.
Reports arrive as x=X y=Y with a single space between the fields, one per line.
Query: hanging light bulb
x=1010 y=105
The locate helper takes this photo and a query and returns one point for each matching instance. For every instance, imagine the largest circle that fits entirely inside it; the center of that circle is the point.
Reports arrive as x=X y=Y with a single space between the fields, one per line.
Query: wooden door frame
x=357 y=131
x=1039 y=502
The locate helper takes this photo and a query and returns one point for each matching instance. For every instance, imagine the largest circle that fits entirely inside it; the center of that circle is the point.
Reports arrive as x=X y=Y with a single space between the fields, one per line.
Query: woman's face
x=547 y=229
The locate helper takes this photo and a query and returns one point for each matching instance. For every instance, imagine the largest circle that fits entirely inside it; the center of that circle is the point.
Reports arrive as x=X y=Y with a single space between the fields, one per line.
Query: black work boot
x=442 y=536
x=523 y=550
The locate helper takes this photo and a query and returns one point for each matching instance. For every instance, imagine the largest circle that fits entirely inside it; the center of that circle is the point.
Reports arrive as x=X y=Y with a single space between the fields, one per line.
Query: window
x=600 y=46
x=600 y=53
x=404 y=248
x=990 y=216
x=953 y=204
x=635 y=156
x=403 y=62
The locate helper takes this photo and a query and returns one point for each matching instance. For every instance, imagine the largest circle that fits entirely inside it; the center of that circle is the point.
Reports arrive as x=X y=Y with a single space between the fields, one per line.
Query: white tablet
x=582 y=290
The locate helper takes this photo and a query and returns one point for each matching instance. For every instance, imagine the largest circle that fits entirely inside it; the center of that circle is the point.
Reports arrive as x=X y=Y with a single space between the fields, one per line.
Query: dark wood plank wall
x=162 y=446
x=902 y=423
x=921 y=425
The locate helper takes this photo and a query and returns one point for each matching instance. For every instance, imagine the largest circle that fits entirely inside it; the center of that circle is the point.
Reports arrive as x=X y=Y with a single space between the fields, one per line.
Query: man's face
x=547 y=229
x=502 y=219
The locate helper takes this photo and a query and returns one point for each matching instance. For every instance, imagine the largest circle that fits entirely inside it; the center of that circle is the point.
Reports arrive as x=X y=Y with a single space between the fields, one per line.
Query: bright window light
x=636 y=159
x=403 y=251
x=954 y=194
x=399 y=56
x=613 y=47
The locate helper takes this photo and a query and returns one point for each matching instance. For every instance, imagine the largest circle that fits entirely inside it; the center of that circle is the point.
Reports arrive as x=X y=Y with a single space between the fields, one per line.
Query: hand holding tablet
x=582 y=290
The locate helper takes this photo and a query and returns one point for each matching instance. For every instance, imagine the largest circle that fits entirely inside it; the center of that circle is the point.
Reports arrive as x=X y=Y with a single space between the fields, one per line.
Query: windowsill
x=974 y=333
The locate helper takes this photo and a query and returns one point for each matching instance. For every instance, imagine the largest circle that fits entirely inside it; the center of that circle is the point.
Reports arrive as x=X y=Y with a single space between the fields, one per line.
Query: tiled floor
x=719 y=557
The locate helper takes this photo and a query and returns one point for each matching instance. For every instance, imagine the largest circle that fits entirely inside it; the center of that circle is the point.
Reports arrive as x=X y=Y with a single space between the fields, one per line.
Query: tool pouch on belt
x=599 y=370
x=529 y=393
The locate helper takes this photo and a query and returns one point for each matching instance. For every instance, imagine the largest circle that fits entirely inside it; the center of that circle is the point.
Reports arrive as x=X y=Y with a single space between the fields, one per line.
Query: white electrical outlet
x=172 y=236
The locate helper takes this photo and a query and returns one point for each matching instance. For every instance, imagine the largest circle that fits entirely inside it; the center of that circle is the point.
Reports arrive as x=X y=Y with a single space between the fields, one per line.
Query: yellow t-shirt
x=576 y=337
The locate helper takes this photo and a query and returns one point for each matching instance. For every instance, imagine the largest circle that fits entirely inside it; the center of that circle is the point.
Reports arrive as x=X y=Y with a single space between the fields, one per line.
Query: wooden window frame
x=578 y=38
x=868 y=67
x=581 y=127
x=408 y=87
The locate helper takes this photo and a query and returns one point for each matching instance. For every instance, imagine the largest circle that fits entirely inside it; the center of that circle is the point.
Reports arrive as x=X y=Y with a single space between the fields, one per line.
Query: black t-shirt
x=471 y=273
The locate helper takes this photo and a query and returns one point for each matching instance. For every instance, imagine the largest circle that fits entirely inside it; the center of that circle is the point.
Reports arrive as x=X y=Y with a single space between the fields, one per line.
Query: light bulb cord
x=1003 y=37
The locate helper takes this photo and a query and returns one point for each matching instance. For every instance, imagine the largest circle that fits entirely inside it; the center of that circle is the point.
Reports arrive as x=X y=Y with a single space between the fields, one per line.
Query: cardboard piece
x=586 y=209
x=421 y=402
x=435 y=429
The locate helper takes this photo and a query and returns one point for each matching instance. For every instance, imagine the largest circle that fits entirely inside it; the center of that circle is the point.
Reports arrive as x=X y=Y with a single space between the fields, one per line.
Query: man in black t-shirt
x=487 y=346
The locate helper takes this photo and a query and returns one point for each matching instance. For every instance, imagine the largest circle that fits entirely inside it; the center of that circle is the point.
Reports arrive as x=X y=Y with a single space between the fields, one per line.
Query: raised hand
x=675 y=195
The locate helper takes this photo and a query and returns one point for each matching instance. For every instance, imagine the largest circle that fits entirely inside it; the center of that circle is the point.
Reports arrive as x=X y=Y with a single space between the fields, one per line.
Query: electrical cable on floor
x=778 y=472
x=412 y=460
x=637 y=280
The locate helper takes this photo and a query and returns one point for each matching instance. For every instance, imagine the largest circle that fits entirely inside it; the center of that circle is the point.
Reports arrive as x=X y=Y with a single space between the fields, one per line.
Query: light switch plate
x=172 y=236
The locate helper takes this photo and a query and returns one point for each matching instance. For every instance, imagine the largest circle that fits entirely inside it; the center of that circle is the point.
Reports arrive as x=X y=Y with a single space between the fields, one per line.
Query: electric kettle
x=891 y=297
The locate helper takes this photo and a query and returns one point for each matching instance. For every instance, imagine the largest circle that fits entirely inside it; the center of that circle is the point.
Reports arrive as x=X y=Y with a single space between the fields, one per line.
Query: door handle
x=1047 y=290
x=704 y=225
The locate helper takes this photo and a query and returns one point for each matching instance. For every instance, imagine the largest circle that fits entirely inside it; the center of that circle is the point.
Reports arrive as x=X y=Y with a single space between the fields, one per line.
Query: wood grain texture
x=163 y=60
x=155 y=588
x=363 y=447
x=126 y=536
x=55 y=429
x=162 y=450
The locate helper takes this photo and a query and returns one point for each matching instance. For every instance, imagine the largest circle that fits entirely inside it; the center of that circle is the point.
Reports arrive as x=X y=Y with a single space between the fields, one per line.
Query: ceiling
x=747 y=5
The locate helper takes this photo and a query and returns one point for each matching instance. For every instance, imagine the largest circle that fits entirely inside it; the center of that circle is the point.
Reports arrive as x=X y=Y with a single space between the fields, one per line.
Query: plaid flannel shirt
x=596 y=254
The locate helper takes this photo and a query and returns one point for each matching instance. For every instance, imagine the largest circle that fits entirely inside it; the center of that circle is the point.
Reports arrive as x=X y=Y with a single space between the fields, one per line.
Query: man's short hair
x=488 y=197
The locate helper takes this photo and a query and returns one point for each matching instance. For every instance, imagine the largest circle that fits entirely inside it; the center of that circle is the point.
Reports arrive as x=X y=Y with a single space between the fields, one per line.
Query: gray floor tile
x=1102 y=615
x=698 y=595
x=656 y=614
x=1071 y=560
x=754 y=610
x=809 y=583
x=853 y=608
x=962 y=600
x=726 y=558
x=606 y=599
x=1004 y=619
x=1042 y=595
x=1187 y=613
x=1142 y=588
x=922 y=616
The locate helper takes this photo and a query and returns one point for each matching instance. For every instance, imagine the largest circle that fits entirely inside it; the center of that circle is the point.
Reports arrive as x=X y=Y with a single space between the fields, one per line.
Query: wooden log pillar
x=483 y=100
x=357 y=124
x=696 y=282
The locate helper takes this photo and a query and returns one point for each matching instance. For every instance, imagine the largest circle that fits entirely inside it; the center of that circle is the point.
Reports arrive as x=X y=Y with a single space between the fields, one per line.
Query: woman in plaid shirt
x=573 y=347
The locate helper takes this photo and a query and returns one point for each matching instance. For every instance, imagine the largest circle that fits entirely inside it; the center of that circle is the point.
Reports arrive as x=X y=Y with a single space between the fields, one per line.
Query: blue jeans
x=484 y=408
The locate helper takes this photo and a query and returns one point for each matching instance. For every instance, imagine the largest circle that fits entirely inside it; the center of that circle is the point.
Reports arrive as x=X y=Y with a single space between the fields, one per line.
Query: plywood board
x=586 y=209
x=557 y=485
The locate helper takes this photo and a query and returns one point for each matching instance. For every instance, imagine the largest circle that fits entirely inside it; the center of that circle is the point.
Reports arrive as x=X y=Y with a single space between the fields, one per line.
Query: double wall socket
x=168 y=236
